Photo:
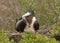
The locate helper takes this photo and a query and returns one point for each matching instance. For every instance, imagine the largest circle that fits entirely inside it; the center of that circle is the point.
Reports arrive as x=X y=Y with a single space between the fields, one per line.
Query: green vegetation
x=28 y=38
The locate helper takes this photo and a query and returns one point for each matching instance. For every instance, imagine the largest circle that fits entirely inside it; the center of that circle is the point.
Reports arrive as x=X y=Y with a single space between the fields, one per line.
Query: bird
x=27 y=20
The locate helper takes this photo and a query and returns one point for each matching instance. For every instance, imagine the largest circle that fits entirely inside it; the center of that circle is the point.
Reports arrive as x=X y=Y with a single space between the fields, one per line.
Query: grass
x=28 y=38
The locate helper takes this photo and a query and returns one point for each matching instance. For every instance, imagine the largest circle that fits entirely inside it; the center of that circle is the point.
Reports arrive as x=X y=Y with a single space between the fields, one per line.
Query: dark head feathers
x=30 y=11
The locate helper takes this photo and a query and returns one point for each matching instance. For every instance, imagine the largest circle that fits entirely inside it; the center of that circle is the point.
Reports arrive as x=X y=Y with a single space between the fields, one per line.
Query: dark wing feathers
x=36 y=25
x=21 y=26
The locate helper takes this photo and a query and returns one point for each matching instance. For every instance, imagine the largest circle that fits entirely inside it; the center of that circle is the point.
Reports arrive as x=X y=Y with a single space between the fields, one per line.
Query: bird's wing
x=36 y=25
x=20 y=25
